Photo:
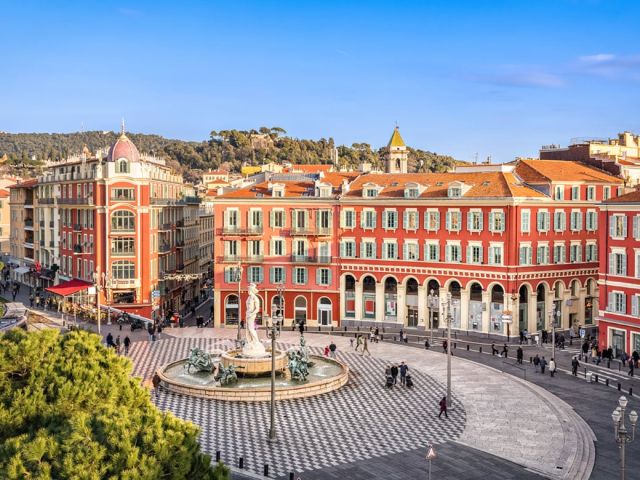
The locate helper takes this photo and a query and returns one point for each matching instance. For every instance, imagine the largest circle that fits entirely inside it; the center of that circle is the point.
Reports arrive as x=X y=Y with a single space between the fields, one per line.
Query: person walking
x=574 y=366
x=552 y=367
x=494 y=350
x=443 y=407
x=332 y=350
x=31 y=298
x=519 y=355
x=127 y=343
x=358 y=342
x=376 y=335
x=445 y=346
x=109 y=340
x=156 y=384
x=118 y=345
x=351 y=342
x=150 y=331
x=326 y=350
x=158 y=331
x=403 y=373
x=394 y=373
x=521 y=336
x=543 y=365
x=426 y=344
x=631 y=368
x=505 y=351
x=635 y=356
x=365 y=347
x=536 y=363
x=405 y=338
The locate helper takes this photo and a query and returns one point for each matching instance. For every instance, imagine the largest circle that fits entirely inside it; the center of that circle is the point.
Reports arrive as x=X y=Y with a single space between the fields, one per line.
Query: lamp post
x=447 y=304
x=620 y=430
x=507 y=318
x=239 y=274
x=432 y=300
x=273 y=332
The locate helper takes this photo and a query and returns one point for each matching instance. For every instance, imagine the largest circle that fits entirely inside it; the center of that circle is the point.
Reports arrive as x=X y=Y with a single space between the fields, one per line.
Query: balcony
x=316 y=232
x=28 y=223
x=76 y=201
x=163 y=201
x=77 y=248
x=165 y=248
x=122 y=198
x=165 y=226
x=77 y=227
x=125 y=283
x=123 y=230
x=46 y=201
x=180 y=243
x=310 y=259
x=240 y=259
x=235 y=231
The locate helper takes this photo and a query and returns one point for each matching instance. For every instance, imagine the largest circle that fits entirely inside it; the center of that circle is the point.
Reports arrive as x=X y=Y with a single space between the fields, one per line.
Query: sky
x=463 y=78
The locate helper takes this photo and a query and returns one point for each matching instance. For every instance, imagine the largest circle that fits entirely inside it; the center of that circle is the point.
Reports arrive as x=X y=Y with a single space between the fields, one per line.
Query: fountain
x=244 y=374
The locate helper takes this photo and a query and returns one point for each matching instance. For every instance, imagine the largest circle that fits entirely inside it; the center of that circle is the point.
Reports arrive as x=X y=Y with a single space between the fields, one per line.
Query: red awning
x=65 y=289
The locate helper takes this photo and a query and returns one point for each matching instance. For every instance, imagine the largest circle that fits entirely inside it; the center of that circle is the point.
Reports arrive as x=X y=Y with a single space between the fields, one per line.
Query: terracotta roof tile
x=631 y=197
x=4 y=193
x=26 y=183
x=544 y=171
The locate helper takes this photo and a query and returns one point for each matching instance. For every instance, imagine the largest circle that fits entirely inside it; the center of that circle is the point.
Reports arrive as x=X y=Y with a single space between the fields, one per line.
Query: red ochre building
x=118 y=219
x=619 y=319
x=369 y=248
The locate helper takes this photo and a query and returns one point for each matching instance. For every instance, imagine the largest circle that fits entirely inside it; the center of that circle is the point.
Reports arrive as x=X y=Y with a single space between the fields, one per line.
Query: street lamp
x=273 y=332
x=447 y=304
x=239 y=274
x=432 y=300
x=553 y=313
x=507 y=318
x=622 y=435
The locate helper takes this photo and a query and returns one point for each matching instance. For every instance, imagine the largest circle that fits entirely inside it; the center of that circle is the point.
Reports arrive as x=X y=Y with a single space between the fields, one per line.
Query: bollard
x=265 y=470
x=480 y=350
x=467 y=347
x=607 y=382
x=241 y=463
x=345 y=329
x=291 y=475
x=596 y=378
x=217 y=455
x=455 y=345
x=630 y=391
x=608 y=363
x=619 y=386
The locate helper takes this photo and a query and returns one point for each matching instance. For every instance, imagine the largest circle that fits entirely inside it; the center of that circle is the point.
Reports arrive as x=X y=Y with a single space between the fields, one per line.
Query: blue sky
x=498 y=78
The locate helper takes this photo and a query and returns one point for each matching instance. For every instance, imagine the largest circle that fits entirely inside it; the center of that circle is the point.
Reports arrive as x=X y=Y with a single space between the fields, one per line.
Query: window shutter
x=304 y=276
x=481 y=218
x=448 y=221
x=624 y=303
x=624 y=265
x=259 y=218
x=437 y=220
x=624 y=227
x=539 y=255
x=635 y=227
x=634 y=305
x=375 y=220
x=318 y=218
x=523 y=255
x=610 y=305
x=385 y=216
x=271 y=218
x=373 y=249
x=405 y=251
x=426 y=252
x=447 y=253
x=469 y=254
x=343 y=222
x=612 y=226
x=328 y=276
x=426 y=220
x=539 y=218
x=572 y=254
x=469 y=222
x=226 y=275
x=406 y=220
x=272 y=275
x=342 y=249
x=612 y=264
x=319 y=276
x=578 y=221
x=226 y=218
x=529 y=256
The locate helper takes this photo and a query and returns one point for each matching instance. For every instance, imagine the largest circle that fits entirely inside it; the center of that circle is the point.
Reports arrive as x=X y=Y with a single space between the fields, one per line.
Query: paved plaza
x=507 y=424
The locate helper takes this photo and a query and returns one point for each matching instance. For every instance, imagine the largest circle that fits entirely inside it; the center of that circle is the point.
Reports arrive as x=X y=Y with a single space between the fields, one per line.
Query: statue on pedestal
x=253 y=346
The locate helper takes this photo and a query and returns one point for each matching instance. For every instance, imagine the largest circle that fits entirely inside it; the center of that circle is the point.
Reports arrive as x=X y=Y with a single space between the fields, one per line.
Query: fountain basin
x=325 y=376
x=253 y=366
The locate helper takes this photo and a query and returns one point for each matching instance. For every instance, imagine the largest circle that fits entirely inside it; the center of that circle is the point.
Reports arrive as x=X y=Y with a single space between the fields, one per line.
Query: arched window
x=231 y=310
x=123 y=270
x=123 y=221
x=122 y=166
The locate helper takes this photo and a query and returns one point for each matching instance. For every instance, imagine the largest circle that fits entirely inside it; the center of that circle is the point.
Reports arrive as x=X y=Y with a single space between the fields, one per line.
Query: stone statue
x=226 y=375
x=199 y=360
x=298 y=366
x=253 y=346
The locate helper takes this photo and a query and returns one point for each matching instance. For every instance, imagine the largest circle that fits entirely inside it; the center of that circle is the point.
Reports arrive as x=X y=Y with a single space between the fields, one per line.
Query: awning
x=21 y=270
x=65 y=289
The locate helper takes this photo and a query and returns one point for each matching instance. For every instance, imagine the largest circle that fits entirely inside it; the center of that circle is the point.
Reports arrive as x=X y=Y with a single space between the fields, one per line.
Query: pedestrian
x=426 y=344
x=394 y=373
x=405 y=338
x=156 y=384
x=158 y=331
x=127 y=343
x=526 y=336
x=552 y=366
x=117 y=345
x=636 y=356
x=30 y=299
x=585 y=348
x=301 y=328
x=358 y=342
x=404 y=368
x=574 y=366
x=150 y=331
x=631 y=368
x=443 y=407
x=445 y=345
x=109 y=339
x=326 y=350
x=332 y=350
x=351 y=342
x=519 y=355
x=571 y=335
x=545 y=336
x=505 y=351
x=365 y=347
x=377 y=334
x=14 y=293
x=623 y=358
x=494 y=350
x=521 y=337
x=543 y=365
x=594 y=354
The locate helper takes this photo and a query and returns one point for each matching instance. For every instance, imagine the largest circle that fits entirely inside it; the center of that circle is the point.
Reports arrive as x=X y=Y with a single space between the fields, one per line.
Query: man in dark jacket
x=574 y=366
x=394 y=373
x=403 y=372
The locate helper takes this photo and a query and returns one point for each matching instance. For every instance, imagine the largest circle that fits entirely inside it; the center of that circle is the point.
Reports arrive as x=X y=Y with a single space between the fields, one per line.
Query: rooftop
x=544 y=171
x=396 y=140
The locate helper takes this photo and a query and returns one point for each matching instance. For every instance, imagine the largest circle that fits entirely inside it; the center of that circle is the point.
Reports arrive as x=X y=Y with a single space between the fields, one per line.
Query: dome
x=123 y=148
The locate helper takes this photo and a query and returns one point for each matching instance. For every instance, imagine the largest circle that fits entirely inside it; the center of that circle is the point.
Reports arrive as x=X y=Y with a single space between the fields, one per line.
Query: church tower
x=397 y=156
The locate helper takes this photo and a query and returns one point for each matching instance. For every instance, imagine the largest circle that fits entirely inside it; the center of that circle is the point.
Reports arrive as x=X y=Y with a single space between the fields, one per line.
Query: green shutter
x=318 y=276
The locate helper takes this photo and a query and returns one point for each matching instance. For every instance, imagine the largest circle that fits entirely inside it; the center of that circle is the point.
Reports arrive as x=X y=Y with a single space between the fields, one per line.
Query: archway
x=300 y=307
x=588 y=302
x=412 y=302
x=523 y=308
x=455 y=289
x=231 y=310
x=349 y=296
x=475 y=306
x=497 y=307
x=558 y=290
x=324 y=311
x=541 y=296
x=391 y=299
x=277 y=307
x=433 y=302
x=369 y=297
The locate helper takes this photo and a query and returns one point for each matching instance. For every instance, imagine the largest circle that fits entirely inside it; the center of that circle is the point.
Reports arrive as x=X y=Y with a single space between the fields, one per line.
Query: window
x=453 y=221
x=232 y=274
x=254 y=274
x=410 y=250
x=300 y=219
x=348 y=249
x=323 y=219
x=474 y=254
x=369 y=219
x=559 y=192
x=559 y=254
x=389 y=250
x=618 y=263
x=591 y=192
x=606 y=193
x=122 y=166
x=618 y=226
x=432 y=220
x=496 y=221
x=300 y=276
x=231 y=248
x=474 y=221
x=576 y=221
x=255 y=219
x=348 y=219
x=495 y=255
x=390 y=219
x=122 y=270
x=277 y=218
x=277 y=275
x=453 y=253
x=617 y=302
x=232 y=217
x=411 y=193
x=592 y=221
x=525 y=255
x=368 y=249
x=122 y=194
x=591 y=252
x=254 y=248
x=432 y=252
x=559 y=221
x=543 y=221
x=575 y=193
x=323 y=276
x=370 y=192
x=411 y=220
x=525 y=221
x=455 y=192
x=123 y=221
x=277 y=247
x=122 y=246
x=636 y=227
x=575 y=253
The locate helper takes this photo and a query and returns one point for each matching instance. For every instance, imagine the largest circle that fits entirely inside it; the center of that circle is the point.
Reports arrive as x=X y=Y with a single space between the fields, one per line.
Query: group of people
x=391 y=373
x=116 y=344
x=362 y=344
x=608 y=354
x=330 y=350
x=540 y=365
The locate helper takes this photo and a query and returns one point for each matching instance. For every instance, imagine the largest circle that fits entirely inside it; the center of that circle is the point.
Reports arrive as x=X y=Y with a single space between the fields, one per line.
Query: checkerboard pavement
x=360 y=421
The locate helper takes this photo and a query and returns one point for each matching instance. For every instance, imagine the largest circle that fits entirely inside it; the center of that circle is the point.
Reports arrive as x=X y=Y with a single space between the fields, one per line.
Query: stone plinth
x=253 y=366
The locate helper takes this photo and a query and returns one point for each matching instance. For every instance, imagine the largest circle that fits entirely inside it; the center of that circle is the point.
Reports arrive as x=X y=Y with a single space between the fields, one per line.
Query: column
x=514 y=328
x=596 y=306
x=582 y=295
x=486 y=297
x=379 y=302
x=464 y=309
x=217 y=311
x=343 y=303
x=401 y=304
x=564 y=323
x=359 y=305
x=423 y=312
x=533 y=305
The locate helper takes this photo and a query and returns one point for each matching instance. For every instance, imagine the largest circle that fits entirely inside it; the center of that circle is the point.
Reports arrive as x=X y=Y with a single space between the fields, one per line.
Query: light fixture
x=616 y=416
x=623 y=401
x=633 y=418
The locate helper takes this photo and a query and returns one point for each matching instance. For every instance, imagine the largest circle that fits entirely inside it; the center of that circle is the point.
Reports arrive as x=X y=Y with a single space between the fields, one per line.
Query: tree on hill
x=69 y=408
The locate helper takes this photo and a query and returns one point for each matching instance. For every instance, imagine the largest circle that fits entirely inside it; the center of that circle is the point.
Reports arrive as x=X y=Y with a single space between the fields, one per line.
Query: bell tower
x=397 y=156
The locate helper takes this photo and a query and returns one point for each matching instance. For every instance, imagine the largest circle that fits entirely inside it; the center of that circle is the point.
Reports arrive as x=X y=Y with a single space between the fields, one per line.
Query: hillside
x=25 y=152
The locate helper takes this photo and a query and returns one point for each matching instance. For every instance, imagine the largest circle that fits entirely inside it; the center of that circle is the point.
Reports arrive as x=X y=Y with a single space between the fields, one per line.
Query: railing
x=46 y=201
x=319 y=231
x=29 y=222
x=241 y=259
x=77 y=248
x=180 y=243
x=124 y=282
x=77 y=227
x=241 y=231
x=121 y=198
x=76 y=201
x=165 y=226
x=116 y=253
x=164 y=248
x=164 y=201
x=122 y=229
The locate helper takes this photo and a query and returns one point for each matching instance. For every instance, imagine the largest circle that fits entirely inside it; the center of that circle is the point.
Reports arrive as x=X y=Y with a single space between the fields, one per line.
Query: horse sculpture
x=199 y=360
x=298 y=366
x=226 y=375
